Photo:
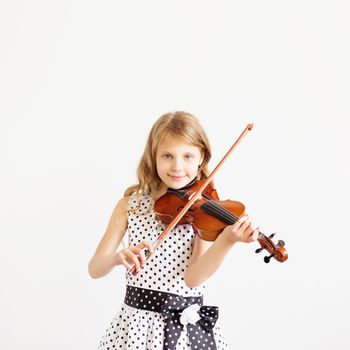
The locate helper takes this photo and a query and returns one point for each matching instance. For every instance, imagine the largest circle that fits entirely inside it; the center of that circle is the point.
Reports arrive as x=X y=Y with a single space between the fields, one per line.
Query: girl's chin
x=177 y=183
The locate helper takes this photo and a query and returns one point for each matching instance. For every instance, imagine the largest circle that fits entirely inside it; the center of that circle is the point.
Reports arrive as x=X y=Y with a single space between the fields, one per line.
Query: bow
x=199 y=321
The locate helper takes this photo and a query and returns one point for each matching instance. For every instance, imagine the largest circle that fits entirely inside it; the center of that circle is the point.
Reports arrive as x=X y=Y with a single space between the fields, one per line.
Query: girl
x=163 y=306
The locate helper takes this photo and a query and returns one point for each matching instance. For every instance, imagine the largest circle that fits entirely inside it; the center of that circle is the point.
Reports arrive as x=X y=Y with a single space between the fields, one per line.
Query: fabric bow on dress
x=199 y=320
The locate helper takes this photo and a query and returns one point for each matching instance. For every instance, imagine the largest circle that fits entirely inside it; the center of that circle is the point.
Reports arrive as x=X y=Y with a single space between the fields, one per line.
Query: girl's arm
x=208 y=256
x=105 y=257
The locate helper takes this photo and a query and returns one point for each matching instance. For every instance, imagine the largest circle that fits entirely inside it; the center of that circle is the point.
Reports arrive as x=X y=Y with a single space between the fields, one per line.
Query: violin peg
x=259 y=250
x=280 y=243
x=268 y=258
x=272 y=235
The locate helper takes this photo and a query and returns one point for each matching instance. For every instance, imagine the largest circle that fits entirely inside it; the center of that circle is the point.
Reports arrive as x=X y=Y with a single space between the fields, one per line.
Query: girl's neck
x=158 y=193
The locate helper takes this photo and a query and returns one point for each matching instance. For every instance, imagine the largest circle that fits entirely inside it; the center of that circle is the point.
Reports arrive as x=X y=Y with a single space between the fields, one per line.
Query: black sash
x=178 y=311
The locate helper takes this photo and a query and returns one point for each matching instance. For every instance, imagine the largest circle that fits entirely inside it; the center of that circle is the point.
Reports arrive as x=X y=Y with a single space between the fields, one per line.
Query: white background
x=81 y=84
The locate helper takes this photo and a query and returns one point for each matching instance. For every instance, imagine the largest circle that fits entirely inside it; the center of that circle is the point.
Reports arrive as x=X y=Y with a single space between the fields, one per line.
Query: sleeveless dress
x=137 y=329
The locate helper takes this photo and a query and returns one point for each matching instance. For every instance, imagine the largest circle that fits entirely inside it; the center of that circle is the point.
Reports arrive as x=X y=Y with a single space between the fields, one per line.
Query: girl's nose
x=176 y=165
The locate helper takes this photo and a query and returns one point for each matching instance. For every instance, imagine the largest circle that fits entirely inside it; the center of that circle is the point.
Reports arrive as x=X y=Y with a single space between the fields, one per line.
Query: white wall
x=81 y=84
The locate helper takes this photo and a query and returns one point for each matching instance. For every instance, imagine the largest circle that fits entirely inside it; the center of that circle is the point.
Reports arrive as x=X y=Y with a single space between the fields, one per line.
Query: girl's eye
x=166 y=156
x=188 y=156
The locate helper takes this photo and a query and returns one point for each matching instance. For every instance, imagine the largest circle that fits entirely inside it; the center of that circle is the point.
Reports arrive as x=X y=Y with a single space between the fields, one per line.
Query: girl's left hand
x=243 y=230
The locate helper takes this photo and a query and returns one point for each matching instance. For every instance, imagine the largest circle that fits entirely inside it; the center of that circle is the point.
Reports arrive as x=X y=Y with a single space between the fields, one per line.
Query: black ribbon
x=172 y=307
x=200 y=333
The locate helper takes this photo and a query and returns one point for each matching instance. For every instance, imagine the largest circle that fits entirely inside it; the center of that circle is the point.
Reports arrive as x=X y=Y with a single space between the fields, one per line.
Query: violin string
x=221 y=213
x=211 y=209
x=225 y=213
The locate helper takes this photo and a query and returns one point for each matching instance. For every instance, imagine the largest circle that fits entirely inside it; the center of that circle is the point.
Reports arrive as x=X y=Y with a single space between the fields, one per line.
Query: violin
x=209 y=215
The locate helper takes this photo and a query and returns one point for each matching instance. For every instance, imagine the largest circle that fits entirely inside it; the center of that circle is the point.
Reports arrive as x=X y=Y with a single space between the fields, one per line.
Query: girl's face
x=177 y=162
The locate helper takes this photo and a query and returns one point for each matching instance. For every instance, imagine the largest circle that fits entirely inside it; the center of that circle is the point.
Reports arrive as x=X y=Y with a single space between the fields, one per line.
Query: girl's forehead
x=176 y=143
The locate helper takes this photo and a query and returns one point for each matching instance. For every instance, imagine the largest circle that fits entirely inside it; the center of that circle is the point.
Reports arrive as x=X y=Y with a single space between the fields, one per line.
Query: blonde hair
x=177 y=124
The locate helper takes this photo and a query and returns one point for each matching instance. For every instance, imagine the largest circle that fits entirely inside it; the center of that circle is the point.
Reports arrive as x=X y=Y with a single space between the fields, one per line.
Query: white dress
x=134 y=328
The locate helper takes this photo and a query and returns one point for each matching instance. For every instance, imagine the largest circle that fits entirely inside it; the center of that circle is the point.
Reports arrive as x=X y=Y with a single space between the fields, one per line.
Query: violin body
x=207 y=226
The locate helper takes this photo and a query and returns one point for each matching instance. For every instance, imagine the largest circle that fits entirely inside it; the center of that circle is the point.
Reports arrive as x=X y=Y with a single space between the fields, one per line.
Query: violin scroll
x=277 y=251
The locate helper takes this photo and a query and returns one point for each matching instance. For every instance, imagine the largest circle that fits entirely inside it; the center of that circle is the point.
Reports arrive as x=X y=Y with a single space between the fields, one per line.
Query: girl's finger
x=239 y=222
x=133 y=257
x=141 y=250
x=248 y=235
x=256 y=231
x=125 y=263
x=138 y=251
x=149 y=246
x=135 y=249
x=253 y=236
x=251 y=228
x=142 y=257
x=244 y=226
x=248 y=230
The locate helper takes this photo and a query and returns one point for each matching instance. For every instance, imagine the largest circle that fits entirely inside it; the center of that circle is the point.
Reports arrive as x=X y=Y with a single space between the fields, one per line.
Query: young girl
x=163 y=306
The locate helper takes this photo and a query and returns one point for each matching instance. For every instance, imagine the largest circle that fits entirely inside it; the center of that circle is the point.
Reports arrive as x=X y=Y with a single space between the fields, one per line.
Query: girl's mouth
x=177 y=178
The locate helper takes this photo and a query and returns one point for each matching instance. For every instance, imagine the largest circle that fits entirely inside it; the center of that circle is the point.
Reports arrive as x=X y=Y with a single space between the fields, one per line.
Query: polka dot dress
x=134 y=328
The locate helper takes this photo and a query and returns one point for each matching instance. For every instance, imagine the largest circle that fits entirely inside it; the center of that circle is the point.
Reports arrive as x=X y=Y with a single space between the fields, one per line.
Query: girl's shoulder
x=121 y=207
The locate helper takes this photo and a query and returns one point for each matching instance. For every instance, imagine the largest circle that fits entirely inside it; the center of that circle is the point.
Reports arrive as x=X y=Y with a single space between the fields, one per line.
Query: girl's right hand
x=133 y=256
x=242 y=230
